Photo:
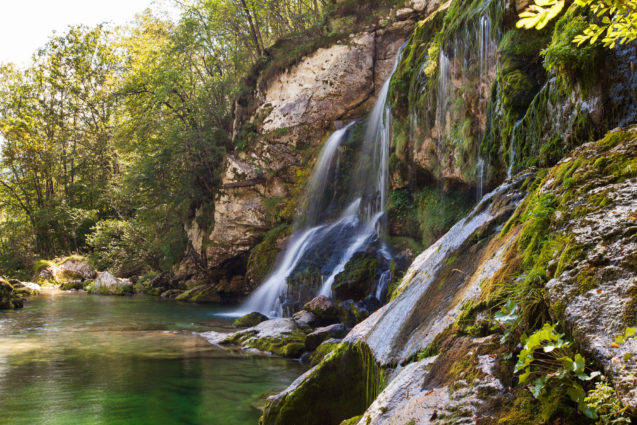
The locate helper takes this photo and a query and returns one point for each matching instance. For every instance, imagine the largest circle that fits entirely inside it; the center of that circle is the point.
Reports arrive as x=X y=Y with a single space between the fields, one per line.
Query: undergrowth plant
x=547 y=362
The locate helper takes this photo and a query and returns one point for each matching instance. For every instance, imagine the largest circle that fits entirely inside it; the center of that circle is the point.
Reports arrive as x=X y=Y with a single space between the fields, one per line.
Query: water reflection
x=81 y=359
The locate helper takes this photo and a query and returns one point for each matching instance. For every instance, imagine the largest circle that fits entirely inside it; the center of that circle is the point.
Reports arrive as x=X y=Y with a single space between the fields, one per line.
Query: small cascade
x=512 y=149
x=325 y=240
x=480 y=178
x=443 y=89
x=469 y=59
x=391 y=331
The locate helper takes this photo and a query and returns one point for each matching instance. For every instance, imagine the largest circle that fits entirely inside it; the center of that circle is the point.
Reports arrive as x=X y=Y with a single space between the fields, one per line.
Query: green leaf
x=579 y=363
x=576 y=393
x=524 y=377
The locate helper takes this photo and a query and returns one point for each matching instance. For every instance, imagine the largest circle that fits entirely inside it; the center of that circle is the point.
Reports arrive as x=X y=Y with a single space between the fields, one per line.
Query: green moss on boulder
x=342 y=386
x=249 y=320
x=358 y=278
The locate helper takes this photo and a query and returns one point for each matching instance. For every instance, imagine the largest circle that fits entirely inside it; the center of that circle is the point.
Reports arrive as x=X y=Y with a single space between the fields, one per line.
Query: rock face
x=107 y=284
x=595 y=294
x=322 y=87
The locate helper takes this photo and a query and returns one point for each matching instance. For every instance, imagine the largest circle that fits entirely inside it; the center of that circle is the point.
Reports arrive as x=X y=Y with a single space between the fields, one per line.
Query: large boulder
x=107 y=284
x=323 y=308
x=76 y=268
x=64 y=270
x=25 y=288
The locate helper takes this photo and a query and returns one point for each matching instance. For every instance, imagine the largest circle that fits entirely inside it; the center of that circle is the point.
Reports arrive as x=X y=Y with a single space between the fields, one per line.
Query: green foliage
x=538 y=15
x=606 y=407
x=546 y=362
x=615 y=20
x=121 y=133
x=560 y=55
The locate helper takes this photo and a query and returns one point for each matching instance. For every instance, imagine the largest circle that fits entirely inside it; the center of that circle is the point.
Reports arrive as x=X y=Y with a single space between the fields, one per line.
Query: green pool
x=71 y=358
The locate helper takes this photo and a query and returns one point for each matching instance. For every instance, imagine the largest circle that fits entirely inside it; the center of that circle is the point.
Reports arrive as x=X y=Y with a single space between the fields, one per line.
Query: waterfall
x=323 y=241
x=480 y=176
x=512 y=148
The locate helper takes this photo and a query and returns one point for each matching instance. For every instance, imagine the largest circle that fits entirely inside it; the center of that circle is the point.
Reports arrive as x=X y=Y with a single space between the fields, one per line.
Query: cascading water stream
x=319 y=242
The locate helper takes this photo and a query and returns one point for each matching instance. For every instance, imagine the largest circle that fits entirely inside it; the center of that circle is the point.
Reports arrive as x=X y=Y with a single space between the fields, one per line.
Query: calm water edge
x=73 y=358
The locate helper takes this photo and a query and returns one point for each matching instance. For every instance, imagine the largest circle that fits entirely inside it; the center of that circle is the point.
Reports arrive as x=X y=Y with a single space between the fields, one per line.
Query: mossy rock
x=249 y=320
x=201 y=294
x=71 y=285
x=263 y=256
x=358 y=278
x=8 y=298
x=323 y=350
x=342 y=386
x=289 y=342
x=352 y=421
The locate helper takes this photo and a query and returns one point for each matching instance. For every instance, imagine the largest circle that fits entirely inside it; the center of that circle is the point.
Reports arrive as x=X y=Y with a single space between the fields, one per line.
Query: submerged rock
x=250 y=319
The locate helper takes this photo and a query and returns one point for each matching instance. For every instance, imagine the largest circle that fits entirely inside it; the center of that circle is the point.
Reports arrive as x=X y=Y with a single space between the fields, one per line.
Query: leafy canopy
x=615 y=21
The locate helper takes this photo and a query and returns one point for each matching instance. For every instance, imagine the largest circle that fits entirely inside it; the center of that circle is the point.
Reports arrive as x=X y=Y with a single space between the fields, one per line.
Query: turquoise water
x=71 y=358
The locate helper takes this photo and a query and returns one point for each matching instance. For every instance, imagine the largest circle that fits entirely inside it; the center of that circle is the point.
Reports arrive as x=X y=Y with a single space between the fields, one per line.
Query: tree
x=616 y=20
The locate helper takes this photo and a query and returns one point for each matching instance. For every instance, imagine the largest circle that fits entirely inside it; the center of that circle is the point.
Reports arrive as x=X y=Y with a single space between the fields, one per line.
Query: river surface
x=72 y=358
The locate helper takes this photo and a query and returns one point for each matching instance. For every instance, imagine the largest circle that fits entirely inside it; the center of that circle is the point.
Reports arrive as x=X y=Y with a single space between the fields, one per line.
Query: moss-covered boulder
x=249 y=320
x=62 y=270
x=8 y=298
x=282 y=337
x=358 y=278
x=73 y=285
x=323 y=308
x=25 y=288
x=341 y=386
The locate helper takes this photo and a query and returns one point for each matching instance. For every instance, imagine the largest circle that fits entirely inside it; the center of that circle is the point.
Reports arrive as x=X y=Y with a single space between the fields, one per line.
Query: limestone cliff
x=284 y=123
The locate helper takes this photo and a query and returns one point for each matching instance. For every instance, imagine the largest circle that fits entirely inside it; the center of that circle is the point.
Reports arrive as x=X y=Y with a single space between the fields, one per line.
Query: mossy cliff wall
x=565 y=256
x=475 y=100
